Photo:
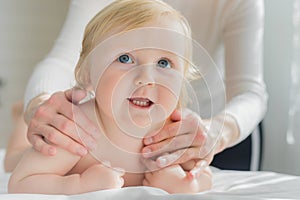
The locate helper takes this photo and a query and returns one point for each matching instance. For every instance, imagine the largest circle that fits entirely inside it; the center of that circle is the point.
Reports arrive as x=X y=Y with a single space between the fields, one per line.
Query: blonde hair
x=125 y=15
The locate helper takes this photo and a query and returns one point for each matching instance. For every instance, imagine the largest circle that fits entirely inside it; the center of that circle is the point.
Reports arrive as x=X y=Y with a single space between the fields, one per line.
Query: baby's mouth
x=141 y=102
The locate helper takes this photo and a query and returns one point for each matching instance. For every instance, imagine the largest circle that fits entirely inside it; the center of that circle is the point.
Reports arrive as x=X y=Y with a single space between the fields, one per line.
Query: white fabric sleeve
x=245 y=87
x=56 y=71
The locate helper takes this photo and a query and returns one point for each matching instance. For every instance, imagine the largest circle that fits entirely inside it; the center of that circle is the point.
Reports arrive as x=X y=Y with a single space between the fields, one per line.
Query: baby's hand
x=100 y=177
x=174 y=179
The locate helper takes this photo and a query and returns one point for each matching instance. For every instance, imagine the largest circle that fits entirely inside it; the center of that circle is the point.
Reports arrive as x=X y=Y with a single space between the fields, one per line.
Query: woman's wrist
x=33 y=106
x=227 y=129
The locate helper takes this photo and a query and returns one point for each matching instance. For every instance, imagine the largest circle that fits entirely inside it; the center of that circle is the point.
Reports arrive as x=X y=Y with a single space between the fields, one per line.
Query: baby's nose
x=145 y=76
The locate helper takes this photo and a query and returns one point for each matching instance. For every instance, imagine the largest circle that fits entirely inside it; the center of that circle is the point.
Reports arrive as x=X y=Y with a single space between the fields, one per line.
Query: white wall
x=27 y=31
x=278 y=155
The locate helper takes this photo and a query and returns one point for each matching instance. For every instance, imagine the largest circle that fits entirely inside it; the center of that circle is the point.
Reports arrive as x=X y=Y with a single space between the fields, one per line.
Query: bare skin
x=18 y=143
x=66 y=173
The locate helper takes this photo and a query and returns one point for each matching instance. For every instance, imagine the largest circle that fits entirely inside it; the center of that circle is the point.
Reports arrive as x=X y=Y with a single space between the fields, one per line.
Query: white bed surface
x=227 y=185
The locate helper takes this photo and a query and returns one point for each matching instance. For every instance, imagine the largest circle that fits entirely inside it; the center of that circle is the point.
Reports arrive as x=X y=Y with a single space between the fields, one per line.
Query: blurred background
x=29 y=27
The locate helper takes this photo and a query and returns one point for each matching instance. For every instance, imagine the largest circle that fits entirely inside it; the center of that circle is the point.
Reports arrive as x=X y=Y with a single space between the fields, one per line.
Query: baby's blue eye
x=125 y=59
x=164 y=63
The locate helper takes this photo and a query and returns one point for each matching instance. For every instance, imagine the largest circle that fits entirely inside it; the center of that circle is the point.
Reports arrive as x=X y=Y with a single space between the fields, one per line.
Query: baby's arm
x=37 y=173
x=174 y=179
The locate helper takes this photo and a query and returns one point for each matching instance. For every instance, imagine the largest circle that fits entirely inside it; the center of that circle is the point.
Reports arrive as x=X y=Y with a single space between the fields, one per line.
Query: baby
x=134 y=59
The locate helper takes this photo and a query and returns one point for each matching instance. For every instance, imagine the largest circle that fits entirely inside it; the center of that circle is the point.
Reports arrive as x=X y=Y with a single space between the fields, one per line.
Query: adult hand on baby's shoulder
x=53 y=121
x=178 y=142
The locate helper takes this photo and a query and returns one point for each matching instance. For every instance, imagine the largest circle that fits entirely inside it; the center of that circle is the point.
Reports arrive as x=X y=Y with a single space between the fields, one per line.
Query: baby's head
x=131 y=17
x=126 y=15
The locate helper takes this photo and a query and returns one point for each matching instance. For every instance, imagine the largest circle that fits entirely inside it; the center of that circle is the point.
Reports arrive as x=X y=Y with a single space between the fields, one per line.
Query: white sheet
x=227 y=185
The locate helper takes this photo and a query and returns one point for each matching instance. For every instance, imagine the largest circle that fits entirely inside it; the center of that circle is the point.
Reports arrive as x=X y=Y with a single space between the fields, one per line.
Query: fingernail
x=81 y=151
x=148 y=140
x=162 y=161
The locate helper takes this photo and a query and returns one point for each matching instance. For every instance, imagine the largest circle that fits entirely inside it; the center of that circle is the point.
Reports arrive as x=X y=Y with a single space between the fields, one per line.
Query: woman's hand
x=187 y=138
x=53 y=121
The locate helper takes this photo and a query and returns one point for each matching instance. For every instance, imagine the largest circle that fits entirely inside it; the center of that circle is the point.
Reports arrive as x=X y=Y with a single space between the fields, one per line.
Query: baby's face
x=137 y=75
x=140 y=87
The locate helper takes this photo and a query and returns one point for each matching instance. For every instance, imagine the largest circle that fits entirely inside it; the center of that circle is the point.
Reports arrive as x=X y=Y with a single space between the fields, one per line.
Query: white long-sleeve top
x=230 y=30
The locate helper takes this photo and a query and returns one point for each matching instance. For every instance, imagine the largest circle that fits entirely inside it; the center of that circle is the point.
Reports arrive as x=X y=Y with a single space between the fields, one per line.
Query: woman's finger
x=149 y=164
x=178 y=157
x=40 y=145
x=54 y=136
x=59 y=121
x=68 y=127
x=49 y=124
x=189 y=124
x=176 y=115
x=82 y=120
x=75 y=95
x=75 y=114
x=35 y=137
x=71 y=111
x=173 y=144
x=169 y=131
x=184 y=155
